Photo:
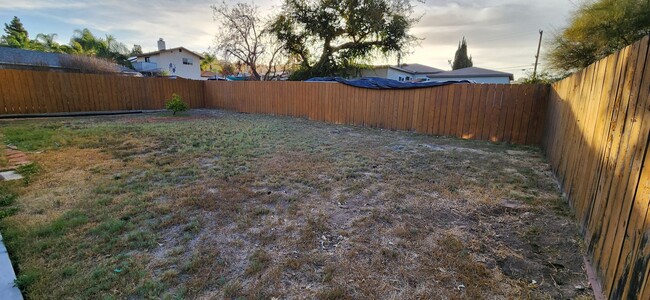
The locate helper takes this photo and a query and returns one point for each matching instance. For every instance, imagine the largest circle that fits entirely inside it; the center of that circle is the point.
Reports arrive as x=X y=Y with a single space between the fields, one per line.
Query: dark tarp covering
x=378 y=83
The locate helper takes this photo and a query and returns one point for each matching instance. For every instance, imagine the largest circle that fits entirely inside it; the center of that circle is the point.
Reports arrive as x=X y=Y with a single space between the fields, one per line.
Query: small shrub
x=176 y=104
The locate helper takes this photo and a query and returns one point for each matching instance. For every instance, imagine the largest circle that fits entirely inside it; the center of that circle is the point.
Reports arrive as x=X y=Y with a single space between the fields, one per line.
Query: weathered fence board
x=596 y=139
x=28 y=92
x=499 y=113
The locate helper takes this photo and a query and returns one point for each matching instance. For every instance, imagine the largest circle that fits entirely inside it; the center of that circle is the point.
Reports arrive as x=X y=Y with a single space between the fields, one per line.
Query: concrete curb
x=8 y=291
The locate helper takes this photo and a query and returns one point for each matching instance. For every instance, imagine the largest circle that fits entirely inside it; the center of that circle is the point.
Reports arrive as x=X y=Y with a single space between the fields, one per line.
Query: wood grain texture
x=596 y=138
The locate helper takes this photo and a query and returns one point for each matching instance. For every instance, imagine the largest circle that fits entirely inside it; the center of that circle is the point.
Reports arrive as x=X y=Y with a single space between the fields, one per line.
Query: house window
x=146 y=59
x=187 y=61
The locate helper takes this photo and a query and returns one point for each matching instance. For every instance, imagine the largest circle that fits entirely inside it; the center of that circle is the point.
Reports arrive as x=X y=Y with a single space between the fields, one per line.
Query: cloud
x=500 y=33
x=41 y=5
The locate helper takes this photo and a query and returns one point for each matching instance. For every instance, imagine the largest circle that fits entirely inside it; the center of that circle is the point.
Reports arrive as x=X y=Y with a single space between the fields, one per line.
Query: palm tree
x=47 y=42
x=85 y=42
x=207 y=61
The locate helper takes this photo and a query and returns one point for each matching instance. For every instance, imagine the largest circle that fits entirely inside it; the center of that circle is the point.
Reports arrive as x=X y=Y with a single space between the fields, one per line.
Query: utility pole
x=539 y=45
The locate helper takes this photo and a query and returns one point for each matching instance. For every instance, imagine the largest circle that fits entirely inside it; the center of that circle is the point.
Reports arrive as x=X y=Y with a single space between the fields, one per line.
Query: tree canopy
x=16 y=35
x=84 y=42
x=597 y=29
x=136 y=50
x=332 y=37
x=461 y=60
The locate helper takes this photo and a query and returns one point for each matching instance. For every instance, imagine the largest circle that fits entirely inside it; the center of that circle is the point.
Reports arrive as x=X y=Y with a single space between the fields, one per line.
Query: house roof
x=29 y=57
x=417 y=69
x=411 y=68
x=208 y=74
x=22 y=57
x=472 y=72
x=171 y=49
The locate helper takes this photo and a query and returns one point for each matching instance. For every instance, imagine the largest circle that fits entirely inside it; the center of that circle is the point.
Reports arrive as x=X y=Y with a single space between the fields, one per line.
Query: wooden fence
x=508 y=113
x=495 y=112
x=25 y=92
x=596 y=139
x=594 y=127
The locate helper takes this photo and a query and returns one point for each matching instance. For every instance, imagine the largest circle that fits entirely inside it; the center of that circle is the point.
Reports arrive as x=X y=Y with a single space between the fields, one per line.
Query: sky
x=501 y=34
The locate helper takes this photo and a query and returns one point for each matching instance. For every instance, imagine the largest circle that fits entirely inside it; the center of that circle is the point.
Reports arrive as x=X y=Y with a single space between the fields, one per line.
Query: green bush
x=176 y=104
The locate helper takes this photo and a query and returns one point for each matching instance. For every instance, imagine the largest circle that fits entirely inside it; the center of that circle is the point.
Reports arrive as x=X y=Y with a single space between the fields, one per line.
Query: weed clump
x=176 y=104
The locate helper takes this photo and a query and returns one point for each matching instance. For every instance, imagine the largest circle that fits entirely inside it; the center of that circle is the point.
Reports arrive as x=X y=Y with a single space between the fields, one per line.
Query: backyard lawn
x=217 y=204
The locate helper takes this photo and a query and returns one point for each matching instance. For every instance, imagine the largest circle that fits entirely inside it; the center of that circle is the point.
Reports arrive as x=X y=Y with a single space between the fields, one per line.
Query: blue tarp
x=378 y=83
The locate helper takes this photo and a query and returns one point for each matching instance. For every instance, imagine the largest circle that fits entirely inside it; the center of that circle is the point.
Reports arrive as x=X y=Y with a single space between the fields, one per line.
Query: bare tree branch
x=242 y=35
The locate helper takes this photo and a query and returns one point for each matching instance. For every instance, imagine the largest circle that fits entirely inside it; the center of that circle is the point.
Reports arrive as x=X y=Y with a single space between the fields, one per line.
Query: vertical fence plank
x=596 y=139
x=463 y=110
x=4 y=94
x=461 y=96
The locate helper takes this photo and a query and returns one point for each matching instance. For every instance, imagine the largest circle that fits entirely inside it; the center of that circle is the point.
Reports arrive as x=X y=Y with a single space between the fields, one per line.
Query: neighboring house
x=178 y=62
x=403 y=72
x=21 y=59
x=478 y=75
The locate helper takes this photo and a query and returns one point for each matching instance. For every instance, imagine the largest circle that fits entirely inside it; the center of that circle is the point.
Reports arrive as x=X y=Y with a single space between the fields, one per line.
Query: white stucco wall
x=391 y=73
x=175 y=57
x=378 y=72
x=396 y=74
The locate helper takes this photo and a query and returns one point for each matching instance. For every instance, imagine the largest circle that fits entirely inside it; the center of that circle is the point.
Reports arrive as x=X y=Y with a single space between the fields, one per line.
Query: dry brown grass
x=89 y=64
x=72 y=174
x=255 y=207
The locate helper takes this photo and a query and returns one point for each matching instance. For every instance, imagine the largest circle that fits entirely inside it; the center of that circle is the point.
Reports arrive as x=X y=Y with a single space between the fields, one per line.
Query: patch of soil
x=532 y=245
x=165 y=119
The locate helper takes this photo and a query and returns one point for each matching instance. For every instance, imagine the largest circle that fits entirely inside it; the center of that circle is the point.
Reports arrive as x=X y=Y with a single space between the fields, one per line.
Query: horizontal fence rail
x=597 y=135
x=28 y=92
x=494 y=112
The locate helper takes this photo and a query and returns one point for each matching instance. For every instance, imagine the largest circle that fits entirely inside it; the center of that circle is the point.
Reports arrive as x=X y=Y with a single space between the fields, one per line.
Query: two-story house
x=178 y=61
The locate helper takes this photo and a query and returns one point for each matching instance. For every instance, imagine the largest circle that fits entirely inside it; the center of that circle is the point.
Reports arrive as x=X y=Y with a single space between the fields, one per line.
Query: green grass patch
x=32 y=138
x=62 y=225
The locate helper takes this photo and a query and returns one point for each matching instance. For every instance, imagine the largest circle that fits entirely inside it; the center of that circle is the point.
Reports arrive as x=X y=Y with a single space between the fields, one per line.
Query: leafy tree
x=211 y=63
x=16 y=36
x=136 y=50
x=243 y=36
x=332 y=37
x=597 y=29
x=226 y=68
x=461 y=60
